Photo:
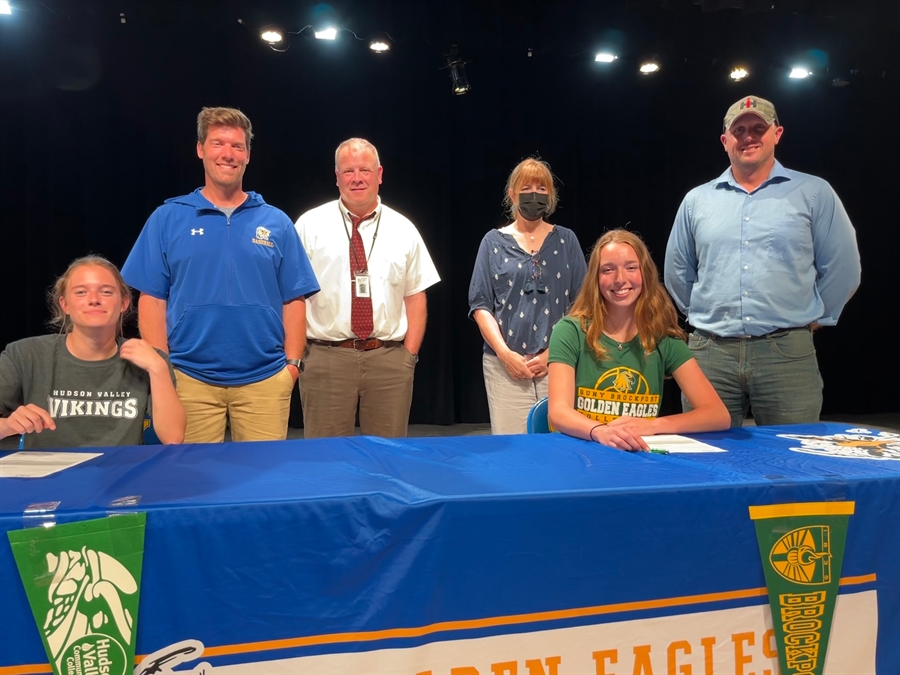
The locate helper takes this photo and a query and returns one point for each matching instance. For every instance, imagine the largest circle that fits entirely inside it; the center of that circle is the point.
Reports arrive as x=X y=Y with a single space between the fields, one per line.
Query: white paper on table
x=35 y=464
x=674 y=443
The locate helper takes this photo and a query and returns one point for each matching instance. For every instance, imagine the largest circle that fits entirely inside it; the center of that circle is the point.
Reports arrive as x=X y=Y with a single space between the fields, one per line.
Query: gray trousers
x=509 y=400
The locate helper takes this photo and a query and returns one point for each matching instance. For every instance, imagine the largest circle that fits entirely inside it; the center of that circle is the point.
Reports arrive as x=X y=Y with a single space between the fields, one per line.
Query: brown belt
x=358 y=345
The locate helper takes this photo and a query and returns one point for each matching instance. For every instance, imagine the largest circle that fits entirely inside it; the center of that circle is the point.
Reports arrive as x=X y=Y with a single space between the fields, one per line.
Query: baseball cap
x=764 y=109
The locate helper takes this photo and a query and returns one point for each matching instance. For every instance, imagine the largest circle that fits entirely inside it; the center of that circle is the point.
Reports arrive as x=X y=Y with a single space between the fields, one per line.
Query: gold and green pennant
x=802 y=549
x=83 y=582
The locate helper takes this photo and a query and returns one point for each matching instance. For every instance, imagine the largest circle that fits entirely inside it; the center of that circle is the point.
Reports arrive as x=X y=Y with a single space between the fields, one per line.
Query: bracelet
x=592 y=431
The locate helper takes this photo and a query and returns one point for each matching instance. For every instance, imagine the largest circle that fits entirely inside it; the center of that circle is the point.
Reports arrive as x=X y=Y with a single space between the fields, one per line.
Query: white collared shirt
x=398 y=266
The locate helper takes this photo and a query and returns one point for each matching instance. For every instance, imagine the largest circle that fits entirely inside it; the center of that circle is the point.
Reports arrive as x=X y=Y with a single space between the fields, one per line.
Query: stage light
x=649 y=67
x=380 y=44
x=327 y=34
x=276 y=37
x=5 y=7
x=457 y=66
x=845 y=77
x=459 y=81
x=272 y=34
x=605 y=57
x=739 y=74
x=798 y=73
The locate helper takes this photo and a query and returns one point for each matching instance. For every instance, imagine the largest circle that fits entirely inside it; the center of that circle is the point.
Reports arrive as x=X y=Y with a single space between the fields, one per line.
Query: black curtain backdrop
x=97 y=128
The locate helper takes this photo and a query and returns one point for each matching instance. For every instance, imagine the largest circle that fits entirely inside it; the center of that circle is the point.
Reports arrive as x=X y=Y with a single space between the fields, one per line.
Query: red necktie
x=361 y=322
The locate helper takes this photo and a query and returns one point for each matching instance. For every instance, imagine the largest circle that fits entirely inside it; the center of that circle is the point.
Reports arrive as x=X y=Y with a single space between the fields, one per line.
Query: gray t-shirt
x=94 y=403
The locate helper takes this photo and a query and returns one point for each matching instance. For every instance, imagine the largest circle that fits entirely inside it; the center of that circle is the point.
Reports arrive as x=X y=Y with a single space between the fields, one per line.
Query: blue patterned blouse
x=526 y=294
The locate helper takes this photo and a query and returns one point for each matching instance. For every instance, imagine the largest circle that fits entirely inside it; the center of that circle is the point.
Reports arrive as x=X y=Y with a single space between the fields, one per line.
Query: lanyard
x=347 y=231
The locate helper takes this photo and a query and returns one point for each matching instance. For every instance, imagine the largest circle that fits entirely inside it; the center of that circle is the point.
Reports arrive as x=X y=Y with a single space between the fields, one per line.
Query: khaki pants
x=337 y=380
x=256 y=412
x=510 y=400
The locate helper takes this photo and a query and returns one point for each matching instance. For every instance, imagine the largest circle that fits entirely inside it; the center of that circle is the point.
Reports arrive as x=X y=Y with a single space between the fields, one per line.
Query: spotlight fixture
x=380 y=44
x=326 y=34
x=5 y=7
x=739 y=74
x=843 y=79
x=649 y=67
x=605 y=57
x=457 y=67
x=272 y=34
x=459 y=80
x=799 y=73
x=276 y=37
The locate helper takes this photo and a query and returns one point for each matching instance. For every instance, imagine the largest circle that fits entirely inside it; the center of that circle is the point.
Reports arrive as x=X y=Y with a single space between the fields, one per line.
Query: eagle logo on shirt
x=619 y=391
x=623 y=380
x=262 y=237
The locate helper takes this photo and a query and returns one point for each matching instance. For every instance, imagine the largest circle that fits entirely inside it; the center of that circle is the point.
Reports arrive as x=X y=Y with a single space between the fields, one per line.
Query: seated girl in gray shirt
x=86 y=386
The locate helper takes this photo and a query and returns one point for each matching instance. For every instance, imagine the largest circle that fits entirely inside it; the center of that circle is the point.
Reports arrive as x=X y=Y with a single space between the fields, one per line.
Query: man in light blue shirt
x=757 y=260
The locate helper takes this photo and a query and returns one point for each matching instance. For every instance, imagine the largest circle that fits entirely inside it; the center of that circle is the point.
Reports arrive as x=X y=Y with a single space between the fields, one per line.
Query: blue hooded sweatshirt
x=225 y=280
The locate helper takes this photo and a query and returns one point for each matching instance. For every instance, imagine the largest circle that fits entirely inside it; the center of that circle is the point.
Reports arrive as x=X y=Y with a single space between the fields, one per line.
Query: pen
x=659 y=451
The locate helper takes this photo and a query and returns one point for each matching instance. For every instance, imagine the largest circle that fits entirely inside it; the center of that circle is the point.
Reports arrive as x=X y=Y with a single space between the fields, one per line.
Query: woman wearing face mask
x=526 y=275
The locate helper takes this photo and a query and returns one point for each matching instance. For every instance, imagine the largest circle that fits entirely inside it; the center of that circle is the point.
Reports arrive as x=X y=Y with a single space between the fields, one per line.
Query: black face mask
x=533 y=205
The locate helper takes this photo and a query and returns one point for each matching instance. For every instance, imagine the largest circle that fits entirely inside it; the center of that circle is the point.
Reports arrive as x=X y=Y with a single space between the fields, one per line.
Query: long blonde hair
x=654 y=311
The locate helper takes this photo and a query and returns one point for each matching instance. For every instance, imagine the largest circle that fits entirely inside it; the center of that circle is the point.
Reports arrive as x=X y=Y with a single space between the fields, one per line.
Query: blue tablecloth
x=406 y=542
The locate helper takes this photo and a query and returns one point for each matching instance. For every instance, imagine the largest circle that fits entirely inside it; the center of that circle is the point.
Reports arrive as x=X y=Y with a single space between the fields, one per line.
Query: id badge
x=361 y=285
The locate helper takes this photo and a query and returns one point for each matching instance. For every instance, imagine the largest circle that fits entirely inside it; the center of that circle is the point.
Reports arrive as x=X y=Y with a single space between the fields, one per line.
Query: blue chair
x=149 y=433
x=538 y=420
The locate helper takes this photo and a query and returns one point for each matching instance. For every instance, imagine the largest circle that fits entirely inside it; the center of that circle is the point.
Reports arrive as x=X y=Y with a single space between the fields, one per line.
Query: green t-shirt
x=626 y=383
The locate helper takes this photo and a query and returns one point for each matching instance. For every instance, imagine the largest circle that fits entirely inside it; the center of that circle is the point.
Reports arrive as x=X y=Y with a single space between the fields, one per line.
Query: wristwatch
x=297 y=363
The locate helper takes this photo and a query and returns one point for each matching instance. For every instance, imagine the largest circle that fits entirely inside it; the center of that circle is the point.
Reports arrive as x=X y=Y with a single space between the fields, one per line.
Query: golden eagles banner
x=83 y=582
x=802 y=548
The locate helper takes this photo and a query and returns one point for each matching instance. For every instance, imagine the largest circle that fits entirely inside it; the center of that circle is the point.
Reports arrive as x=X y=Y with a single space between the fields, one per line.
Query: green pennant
x=83 y=582
x=802 y=549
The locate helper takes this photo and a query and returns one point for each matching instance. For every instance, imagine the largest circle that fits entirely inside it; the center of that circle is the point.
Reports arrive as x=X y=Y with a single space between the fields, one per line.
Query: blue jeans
x=777 y=375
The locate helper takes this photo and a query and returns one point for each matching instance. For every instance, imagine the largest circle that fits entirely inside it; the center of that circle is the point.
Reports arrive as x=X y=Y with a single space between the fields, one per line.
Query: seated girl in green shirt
x=609 y=356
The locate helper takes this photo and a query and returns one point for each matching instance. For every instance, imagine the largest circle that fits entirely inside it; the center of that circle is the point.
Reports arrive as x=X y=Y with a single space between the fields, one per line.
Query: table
x=507 y=555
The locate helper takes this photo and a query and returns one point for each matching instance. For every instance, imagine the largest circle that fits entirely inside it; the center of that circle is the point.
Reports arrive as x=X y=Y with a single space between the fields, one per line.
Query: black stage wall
x=97 y=129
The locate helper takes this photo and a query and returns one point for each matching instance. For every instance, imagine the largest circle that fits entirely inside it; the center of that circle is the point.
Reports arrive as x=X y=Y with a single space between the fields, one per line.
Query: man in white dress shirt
x=365 y=328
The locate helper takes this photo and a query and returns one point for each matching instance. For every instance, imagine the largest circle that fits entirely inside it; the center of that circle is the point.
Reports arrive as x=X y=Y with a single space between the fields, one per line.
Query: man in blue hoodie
x=224 y=279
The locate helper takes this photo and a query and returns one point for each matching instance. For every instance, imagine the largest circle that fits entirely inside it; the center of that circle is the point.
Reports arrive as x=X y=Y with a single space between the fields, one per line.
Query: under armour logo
x=193 y=231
